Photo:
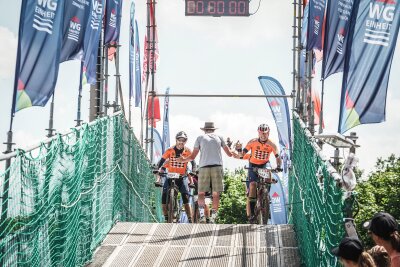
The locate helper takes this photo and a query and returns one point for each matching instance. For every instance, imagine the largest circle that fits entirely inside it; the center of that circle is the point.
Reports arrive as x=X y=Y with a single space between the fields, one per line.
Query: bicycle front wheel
x=171 y=205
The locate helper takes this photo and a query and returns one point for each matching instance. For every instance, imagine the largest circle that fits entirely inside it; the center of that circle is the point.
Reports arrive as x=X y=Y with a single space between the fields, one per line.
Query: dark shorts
x=252 y=176
x=183 y=189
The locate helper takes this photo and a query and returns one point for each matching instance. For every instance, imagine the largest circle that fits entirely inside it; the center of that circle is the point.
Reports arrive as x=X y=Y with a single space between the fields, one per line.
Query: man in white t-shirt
x=210 y=166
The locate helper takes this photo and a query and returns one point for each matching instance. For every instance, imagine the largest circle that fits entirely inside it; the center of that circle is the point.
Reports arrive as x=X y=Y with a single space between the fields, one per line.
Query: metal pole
x=294 y=55
x=299 y=49
x=50 y=130
x=321 y=115
x=106 y=75
x=153 y=61
x=78 y=113
x=307 y=93
x=119 y=88
x=4 y=202
x=95 y=89
x=147 y=81
x=229 y=96
x=117 y=76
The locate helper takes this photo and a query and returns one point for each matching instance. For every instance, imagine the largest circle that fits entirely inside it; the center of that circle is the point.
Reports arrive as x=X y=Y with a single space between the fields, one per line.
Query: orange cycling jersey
x=260 y=151
x=172 y=165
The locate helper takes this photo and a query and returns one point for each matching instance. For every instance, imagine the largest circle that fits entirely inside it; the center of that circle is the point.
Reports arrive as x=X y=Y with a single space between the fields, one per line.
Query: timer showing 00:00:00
x=217 y=8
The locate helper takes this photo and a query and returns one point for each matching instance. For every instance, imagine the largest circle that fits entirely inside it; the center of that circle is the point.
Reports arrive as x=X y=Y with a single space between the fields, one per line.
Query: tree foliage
x=233 y=200
x=380 y=192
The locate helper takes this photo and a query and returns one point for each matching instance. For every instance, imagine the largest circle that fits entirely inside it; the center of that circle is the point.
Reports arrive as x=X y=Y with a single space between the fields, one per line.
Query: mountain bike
x=264 y=181
x=173 y=209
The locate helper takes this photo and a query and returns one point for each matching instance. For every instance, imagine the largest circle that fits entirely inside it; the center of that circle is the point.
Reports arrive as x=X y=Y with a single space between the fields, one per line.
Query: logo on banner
x=74 y=29
x=96 y=14
x=45 y=12
x=113 y=19
x=316 y=25
x=340 y=41
x=379 y=22
x=276 y=108
x=276 y=202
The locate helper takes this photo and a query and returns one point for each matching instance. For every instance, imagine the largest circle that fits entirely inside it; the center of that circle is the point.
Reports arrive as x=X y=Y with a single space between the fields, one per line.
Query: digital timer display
x=217 y=8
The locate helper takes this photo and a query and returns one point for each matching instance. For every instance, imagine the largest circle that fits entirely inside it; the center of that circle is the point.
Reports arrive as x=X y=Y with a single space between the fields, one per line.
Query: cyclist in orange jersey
x=257 y=151
x=168 y=161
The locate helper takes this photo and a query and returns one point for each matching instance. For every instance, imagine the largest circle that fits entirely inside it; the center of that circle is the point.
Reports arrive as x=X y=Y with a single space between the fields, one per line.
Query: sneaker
x=208 y=220
x=213 y=216
x=190 y=220
x=202 y=219
x=252 y=219
x=211 y=220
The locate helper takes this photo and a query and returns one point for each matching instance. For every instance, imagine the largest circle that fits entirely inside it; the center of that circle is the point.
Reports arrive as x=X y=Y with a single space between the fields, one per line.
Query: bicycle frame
x=172 y=200
x=264 y=181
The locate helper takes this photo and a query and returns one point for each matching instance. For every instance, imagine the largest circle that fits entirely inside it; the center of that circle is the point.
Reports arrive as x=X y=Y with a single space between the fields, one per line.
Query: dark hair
x=366 y=260
x=380 y=256
x=395 y=240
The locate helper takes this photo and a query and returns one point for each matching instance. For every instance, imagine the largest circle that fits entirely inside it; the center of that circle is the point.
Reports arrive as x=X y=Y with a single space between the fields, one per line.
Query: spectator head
x=208 y=127
x=380 y=256
x=382 y=224
x=351 y=253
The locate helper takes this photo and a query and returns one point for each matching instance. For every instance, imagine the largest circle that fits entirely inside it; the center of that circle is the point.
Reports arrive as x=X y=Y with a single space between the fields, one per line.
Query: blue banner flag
x=76 y=16
x=166 y=137
x=112 y=21
x=278 y=203
x=338 y=17
x=38 y=54
x=131 y=49
x=157 y=145
x=280 y=111
x=279 y=108
x=91 y=39
x=138 y=71
x=315 y=20
x=368 y=62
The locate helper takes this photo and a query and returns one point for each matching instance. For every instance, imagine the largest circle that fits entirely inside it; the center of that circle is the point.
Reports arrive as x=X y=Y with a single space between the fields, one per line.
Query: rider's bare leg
x=215 y=202
x=252 y=197
x=188 y=210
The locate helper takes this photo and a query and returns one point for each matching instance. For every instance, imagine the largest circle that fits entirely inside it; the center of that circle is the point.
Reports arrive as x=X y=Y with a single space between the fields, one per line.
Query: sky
x=201 y=55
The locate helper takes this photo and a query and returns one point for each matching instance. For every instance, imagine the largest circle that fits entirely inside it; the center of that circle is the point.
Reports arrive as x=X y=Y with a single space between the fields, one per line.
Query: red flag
x=156 y=116
x=147 y=47
x=111 y=52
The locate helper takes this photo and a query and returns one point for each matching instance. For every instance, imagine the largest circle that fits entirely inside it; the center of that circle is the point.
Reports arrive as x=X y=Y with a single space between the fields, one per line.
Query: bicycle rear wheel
x=171 y=205
x=263 y=208
x=196 y=213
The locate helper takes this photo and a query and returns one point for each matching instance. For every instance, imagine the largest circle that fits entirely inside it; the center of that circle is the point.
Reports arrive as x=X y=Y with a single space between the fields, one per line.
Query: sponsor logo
x=97 y=10
x=113 y=19
x=379 y=22
x=74 y=29
x=340 y=41
x=44 y=15
x=317 y=25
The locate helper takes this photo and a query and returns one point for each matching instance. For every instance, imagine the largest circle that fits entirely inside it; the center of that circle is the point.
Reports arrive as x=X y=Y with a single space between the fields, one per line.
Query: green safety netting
x=316 y=202
x=63 y=197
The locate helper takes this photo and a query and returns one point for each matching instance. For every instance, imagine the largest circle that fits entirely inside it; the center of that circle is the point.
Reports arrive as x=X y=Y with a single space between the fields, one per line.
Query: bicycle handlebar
x=276 y=170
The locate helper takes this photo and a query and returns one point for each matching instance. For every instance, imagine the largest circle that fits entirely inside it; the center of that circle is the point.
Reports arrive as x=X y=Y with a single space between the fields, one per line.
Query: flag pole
x=106 y=105
x=321 y=115
x=78 y=113
x=147 y=82
x=50 y=130
x=299 y=49
x=153 y=47
x=9 y=143
x=117 y=75
x=294 y=55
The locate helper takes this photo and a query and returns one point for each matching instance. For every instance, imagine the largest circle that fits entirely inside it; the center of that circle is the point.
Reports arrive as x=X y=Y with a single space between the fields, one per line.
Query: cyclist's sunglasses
x=263 y=130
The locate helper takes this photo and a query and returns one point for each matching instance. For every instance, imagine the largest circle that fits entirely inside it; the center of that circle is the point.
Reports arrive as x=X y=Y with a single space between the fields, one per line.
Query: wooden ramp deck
x=195 y=245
